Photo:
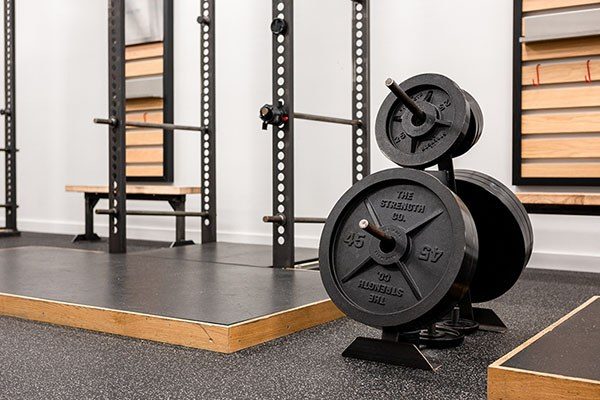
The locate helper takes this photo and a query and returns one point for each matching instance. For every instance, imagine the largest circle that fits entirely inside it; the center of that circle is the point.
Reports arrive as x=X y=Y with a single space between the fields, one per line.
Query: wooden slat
x=144 y=155
x=572 y=97
x=136 y=189
x=561 y=170
x=561 y=148
x=153 y=116
x=580 y=122
x=261 y=330
x=148 y=104
x=570 y=72
x=148 y=67
x=538 y=5
x=136 y=171
x=144 y=137
x=571 y=199
x=146 y=50
x=580 y=47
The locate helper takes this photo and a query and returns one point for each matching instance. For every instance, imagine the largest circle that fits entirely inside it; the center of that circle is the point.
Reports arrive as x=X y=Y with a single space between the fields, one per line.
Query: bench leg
x=89 y=235
x=179 y=205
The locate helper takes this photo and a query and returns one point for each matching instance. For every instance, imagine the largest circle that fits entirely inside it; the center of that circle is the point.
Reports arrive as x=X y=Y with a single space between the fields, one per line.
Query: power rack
x=10 y=123
x=116 y=121
x=281 y=115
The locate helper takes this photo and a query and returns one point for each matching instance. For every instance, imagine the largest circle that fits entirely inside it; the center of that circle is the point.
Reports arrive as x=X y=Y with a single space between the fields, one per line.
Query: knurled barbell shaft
x=375 y=231
x=113 y=122
x=281 y=220
x=405 y=99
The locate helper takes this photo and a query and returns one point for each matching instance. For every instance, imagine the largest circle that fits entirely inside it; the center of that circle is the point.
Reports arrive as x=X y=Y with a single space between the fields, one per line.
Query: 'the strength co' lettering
x=380 y=288
x=403 y=206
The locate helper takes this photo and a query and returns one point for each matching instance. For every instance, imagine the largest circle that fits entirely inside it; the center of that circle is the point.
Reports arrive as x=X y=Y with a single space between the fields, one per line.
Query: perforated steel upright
x=116 y=110
x=283 y=135
x=208 y=113
x=10 y=121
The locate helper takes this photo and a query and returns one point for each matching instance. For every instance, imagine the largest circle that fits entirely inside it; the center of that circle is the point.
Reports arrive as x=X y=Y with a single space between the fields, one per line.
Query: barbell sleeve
x=405 y=99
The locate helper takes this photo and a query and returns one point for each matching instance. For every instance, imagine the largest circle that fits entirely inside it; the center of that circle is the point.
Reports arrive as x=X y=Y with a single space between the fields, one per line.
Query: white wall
x=61 y=55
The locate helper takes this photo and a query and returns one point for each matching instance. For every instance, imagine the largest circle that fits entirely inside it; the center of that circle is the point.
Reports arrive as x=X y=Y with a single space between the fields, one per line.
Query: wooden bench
x=175 y=196
x=561 y=203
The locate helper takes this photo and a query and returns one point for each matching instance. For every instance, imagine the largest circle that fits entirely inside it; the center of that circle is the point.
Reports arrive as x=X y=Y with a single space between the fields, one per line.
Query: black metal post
x=168 y=90
x=91 y=200
x=10 y=120
x=116 y=110
x=283 y=136
x=361 y=93
x=208 y=119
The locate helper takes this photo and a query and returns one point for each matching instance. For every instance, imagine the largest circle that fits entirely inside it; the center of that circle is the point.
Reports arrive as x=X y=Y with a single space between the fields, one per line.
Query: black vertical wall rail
x=208 y=120
x=361 y=93
x=116 y=111
x=10 y=121
x=283 y=137
x=168 y=90
x=517 y=90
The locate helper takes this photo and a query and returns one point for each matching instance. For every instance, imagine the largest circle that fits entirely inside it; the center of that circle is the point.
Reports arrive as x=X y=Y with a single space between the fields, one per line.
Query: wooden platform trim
x=507 y=383
x=537 y=5
x=571 y=199
x=137 y=189
x=194 y=334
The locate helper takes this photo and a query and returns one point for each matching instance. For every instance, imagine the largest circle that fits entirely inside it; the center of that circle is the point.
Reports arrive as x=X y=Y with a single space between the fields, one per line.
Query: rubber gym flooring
x=40 y=361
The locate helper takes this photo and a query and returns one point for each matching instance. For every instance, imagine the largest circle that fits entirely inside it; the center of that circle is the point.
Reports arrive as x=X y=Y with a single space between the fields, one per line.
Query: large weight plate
x=504 y=230
x=410 y=144
x=418 y=279
x=475 y=127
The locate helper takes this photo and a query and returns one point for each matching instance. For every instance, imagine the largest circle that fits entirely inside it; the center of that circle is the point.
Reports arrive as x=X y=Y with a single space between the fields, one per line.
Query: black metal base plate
x=395 y=353
x=86 y=238
x=251 y=255
x=488 y=320
x=182 y=243
x=196 y=291
x=9 y=233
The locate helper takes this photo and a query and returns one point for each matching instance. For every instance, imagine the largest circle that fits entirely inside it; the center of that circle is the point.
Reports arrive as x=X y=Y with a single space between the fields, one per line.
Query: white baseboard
x=565 y=262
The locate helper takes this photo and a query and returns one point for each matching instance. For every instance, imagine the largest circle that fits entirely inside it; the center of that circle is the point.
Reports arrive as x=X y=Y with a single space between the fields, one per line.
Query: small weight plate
x=411 y=143
x=427 y=269
x=504 y=230
x=441 y=338
x=475 y=127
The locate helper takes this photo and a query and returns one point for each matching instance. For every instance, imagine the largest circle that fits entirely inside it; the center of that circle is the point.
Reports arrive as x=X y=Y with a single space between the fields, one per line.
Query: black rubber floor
x=46 y=362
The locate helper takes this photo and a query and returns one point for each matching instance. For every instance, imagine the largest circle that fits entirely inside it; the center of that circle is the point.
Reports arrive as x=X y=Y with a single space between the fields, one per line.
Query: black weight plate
x=410 y=144
x=475 y=127
x=504 y=230
x=428 y=269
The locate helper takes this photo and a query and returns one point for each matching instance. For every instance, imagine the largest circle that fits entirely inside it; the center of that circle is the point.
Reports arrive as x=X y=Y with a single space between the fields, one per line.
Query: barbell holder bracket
x=203 y=20
x=280 y=219
x=330 y=120
x=170 y=127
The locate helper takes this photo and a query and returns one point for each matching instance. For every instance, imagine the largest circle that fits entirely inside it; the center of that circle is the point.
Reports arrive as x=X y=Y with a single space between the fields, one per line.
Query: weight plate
x=411 y=143
x=475 y=127
x=504 y=230
x=441 y=338
x=417 y=278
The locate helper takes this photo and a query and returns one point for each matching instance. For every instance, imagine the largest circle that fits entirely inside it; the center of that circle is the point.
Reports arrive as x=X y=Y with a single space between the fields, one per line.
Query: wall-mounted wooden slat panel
x=572 y=97
x=148 y=104
x=570 y=72
x=155 y=117
x=561 y=148
x=561 y=170
x=151 y=66
x=139 y=171
x=538 y=5
x=580 y=122
x=144 y=155
x=144 y=137
x=147 y=50
x=567 y=48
